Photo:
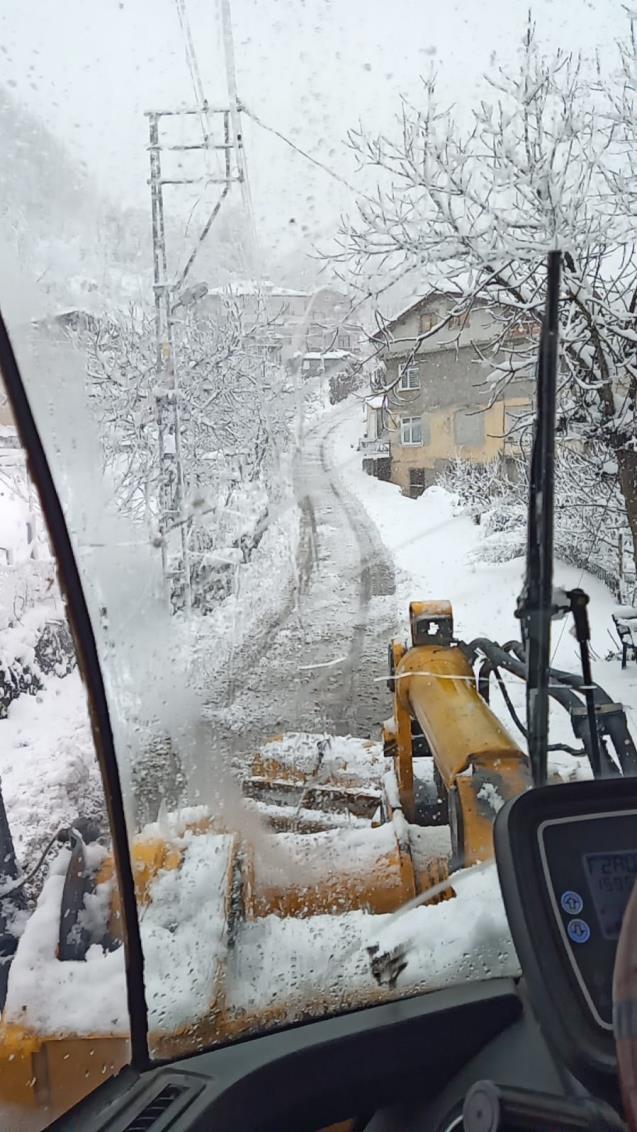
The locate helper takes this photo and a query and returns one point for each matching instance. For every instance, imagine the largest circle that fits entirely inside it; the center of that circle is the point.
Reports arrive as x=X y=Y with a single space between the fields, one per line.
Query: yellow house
x=436 y=400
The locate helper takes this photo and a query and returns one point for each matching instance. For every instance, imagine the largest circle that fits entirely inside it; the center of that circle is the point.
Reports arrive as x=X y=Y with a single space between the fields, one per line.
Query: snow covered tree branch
x=546 y=161
x=234 y=429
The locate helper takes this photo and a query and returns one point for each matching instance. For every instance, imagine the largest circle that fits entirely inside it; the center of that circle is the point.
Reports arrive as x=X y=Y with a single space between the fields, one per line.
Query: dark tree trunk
x=627 y=474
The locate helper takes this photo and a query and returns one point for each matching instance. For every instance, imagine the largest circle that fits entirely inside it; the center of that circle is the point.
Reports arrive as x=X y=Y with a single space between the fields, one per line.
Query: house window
x=409 y=378
x=468 y=428
x=419 y=479
x=524 y=328
x=458 y=322
x=410 y=431
x=428 y=319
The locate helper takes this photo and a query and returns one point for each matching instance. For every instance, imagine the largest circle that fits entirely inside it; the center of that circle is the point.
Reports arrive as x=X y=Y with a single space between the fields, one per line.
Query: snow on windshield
x=277 y=313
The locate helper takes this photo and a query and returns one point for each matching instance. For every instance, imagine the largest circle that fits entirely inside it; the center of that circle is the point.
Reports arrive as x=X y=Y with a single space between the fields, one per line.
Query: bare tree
x=543 y=163
x=233 y=430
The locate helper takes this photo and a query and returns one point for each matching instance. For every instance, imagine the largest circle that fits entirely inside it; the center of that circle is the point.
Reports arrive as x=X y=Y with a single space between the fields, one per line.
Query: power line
x=302 y=152
x=191 y=60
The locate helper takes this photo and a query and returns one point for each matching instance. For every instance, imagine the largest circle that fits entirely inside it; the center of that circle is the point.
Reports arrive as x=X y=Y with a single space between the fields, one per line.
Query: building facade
x=436 y=393
x=290 y=324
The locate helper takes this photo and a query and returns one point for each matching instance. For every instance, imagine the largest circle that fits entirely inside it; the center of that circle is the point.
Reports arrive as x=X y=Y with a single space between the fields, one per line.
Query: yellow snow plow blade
x=345 y=840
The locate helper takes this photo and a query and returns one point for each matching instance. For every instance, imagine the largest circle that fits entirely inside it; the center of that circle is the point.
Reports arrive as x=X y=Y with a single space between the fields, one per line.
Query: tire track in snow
x=376 y=574
x=315 y=666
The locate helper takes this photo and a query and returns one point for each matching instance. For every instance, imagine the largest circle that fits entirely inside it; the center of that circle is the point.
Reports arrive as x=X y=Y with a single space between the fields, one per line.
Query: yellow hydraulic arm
x=478 y=764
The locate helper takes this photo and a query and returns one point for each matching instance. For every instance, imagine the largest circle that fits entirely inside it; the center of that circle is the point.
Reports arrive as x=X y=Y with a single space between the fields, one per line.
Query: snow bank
x=60 y=998
x=313 y=966
x=183 y=932
x=436 y=550
x=235 y=628
x=48 y=765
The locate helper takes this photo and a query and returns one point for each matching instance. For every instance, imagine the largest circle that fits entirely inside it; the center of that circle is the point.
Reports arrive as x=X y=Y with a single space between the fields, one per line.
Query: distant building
x=374 y=444
x=318 y=364
x=434 y=405
x=292 y=324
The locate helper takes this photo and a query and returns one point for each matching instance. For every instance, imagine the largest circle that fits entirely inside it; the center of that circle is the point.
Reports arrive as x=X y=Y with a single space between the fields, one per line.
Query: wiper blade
x=536 y=600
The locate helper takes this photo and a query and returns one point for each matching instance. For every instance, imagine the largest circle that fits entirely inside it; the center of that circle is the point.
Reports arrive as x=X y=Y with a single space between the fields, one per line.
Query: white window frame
x=406 y=427
x=406 y=373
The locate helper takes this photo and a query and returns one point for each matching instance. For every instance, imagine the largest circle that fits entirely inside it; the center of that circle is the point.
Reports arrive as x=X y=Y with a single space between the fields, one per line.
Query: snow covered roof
x=454 y=293
x=244 y=287
x=327 y=355
x=376 y=402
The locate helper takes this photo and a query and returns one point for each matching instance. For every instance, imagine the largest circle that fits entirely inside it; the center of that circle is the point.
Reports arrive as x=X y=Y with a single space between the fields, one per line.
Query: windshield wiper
x=535 y=604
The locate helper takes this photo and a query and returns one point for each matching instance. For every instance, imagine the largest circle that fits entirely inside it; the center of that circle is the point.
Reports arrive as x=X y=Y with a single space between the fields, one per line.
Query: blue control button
x=578 y=931
x=572 y=903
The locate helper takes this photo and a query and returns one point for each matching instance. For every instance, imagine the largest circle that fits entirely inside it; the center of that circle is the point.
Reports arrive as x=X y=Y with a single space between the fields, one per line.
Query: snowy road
x=322 y=666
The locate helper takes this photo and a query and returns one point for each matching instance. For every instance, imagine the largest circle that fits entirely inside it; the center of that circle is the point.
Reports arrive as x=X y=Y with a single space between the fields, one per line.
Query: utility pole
x=222 y=131
x=235 y=115
x=167 y=288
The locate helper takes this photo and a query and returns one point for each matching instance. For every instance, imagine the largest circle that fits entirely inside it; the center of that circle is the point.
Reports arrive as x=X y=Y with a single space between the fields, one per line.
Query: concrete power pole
x=221 y=130
x=167 y=288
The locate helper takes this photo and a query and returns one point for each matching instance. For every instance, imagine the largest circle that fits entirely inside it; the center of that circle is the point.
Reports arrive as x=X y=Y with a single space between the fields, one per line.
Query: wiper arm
x=536 y=600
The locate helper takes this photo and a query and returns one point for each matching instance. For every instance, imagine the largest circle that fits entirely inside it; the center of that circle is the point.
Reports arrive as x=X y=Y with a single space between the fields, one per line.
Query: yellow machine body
x=434 y=685
x=351 y=837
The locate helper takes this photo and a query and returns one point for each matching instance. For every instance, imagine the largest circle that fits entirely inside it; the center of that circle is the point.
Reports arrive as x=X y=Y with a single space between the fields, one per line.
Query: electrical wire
x=303 y=153
x=193 y=66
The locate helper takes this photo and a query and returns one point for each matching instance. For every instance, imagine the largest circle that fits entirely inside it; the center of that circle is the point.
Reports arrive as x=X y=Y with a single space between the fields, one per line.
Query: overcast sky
x=311 y=68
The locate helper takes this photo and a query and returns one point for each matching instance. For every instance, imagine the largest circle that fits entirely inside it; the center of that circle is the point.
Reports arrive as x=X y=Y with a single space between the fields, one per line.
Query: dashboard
x=567 y=861
x=537 y=1053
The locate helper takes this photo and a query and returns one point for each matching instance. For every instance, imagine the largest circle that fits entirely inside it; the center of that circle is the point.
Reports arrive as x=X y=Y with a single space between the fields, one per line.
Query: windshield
x=275 y=276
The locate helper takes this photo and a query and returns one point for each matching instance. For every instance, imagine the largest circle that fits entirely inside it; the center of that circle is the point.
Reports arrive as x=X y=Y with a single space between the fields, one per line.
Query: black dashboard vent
x=156 y=1108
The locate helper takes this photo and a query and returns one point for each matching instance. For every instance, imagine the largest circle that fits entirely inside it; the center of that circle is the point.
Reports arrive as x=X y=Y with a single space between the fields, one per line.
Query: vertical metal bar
x=579 y=603
x=535 y=606
x=231 y=78
x=226 y=141
x=172 y=490
x=155 y=188
x=180 y=495
x=235 y=118
x=159 y=276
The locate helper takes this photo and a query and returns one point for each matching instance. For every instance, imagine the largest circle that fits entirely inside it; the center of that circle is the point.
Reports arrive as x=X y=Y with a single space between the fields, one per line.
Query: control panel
x=590 y=865
x=567 y=862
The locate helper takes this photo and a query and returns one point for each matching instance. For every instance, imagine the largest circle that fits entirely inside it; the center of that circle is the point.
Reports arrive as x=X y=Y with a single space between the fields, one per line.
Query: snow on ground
x=47 y=763
x=284 y=964
x=305 y=966
x=253 y=607
x=437 y=552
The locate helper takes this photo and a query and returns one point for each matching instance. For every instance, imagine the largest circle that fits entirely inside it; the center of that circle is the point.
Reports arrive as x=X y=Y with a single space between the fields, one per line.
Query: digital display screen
x=611 y=877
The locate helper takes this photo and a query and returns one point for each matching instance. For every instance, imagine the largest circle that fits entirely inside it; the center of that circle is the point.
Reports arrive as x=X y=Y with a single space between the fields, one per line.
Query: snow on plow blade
x=295 y=920
x=314 y=783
